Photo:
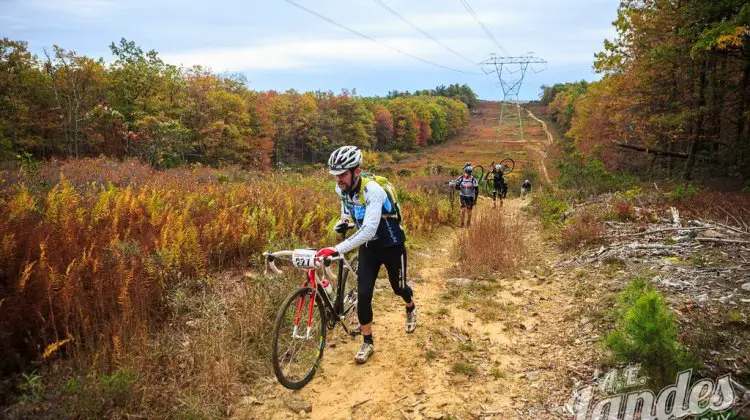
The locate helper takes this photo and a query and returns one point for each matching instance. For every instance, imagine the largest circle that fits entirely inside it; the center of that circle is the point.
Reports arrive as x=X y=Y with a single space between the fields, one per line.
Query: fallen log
x=655 y=152
x=659 y=230
x=726 y=241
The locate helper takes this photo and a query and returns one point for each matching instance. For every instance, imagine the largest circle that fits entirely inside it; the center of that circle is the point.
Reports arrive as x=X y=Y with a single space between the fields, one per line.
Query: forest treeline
x=674 y=98
x=69 y=105
x=464 y=93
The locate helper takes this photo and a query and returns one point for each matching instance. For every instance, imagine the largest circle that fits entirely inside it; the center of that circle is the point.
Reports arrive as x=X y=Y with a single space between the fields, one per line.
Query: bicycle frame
x=333 y=309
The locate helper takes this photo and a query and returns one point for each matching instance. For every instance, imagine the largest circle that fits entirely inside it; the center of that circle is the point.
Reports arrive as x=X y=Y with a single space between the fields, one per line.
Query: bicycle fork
x=310 y=307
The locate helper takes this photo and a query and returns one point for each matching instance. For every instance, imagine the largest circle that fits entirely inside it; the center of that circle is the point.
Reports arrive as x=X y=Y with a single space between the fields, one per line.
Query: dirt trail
x=454 y=364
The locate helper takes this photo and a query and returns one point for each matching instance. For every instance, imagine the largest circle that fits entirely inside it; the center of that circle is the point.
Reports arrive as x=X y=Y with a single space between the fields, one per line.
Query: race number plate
x=304 y=258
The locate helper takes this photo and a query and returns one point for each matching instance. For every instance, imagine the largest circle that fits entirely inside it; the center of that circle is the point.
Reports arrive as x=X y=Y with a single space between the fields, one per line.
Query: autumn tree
x=77 y=84
x=27 y=122
x=675 y=88
x=139 y=106
x=140 y=82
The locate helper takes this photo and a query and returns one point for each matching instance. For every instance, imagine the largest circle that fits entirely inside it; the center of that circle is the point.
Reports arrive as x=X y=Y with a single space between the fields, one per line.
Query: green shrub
x=550 y=209
x=683 y=192
x=588 y=176
x=646 y=333
x=118 y=384
x=32 y=387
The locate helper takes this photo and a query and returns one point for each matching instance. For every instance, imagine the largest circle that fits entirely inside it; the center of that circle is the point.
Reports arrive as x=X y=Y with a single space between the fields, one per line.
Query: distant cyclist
x=525 y=188
x=499 y=187
x=379 y=237
x=468 y=187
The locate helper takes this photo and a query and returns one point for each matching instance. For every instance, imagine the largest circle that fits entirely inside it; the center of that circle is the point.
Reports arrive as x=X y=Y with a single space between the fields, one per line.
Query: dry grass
x=93 y=271
x=494 y=244
x=729 y=208
x=478 y=144
x=219 y=346
x=584 y=229
x=92 y=262
x=623 y=211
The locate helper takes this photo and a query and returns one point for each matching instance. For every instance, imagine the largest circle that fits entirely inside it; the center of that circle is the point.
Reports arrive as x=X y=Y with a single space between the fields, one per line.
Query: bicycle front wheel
x=298 y=344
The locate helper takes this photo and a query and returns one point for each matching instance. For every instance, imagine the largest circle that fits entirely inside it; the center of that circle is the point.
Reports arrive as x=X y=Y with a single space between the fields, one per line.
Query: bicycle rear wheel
x=508 y=165
x=350 y=298
x=479 y=173
x=297 y=350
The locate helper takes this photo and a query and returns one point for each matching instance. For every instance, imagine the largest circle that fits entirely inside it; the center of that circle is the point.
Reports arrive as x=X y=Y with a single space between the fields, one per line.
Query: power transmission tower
x=510 y=73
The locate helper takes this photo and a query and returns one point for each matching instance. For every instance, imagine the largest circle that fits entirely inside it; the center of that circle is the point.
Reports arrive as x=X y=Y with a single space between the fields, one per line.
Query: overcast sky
x=279 y=46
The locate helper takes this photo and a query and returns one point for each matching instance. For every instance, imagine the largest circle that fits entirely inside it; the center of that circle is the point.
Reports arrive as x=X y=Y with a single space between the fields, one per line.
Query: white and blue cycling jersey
x=372 y=213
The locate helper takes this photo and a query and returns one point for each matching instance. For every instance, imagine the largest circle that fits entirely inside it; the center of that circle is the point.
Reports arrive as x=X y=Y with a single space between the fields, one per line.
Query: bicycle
x=508 y=164
x=478 y=170
x=305 y=316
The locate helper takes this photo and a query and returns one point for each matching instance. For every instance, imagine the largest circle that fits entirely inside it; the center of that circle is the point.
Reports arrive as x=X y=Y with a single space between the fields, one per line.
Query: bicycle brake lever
x=274 y=268
x=269 y=258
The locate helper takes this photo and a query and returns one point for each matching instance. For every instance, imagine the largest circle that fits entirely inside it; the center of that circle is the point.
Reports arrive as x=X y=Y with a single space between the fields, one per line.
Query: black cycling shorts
x=467 y=201
x=370 y=260
x=499 y=189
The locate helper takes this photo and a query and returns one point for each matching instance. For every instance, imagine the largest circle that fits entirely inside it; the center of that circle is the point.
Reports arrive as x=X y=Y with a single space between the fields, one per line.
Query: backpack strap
x=366 y=178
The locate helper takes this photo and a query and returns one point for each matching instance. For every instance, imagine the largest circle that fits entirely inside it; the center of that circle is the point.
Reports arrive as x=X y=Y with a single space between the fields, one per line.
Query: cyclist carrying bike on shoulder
x=379 y=237
x=499 y=187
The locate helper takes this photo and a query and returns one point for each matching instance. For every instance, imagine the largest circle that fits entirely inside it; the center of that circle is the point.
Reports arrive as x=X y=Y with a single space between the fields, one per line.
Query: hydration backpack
x=390 y=191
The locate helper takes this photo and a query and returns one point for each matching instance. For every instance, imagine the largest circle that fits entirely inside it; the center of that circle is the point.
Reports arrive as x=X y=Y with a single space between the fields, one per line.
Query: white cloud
x=84 y=9
x=318 y=53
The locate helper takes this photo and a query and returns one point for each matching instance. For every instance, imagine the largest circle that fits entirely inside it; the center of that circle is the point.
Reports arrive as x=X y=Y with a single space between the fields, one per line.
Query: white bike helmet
x=343 y=159
x=499 y=167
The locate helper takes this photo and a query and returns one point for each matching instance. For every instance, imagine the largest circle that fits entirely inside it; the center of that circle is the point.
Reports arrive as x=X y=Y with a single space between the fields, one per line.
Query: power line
x=333 y=22
x=388 y=8
x=484 y=28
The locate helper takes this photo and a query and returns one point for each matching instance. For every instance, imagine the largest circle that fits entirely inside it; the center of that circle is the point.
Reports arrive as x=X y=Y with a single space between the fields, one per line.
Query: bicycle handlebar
x=270 y=259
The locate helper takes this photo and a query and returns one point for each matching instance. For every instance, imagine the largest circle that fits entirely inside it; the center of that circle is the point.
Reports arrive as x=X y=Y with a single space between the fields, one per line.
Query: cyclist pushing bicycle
x=379 y=237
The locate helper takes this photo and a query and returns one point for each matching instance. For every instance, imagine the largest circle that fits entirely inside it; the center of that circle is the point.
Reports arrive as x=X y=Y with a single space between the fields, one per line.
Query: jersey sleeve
x=374 y=197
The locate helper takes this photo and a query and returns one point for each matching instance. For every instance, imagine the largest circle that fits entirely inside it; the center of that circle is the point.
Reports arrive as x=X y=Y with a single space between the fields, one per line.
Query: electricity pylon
x=511 y=72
